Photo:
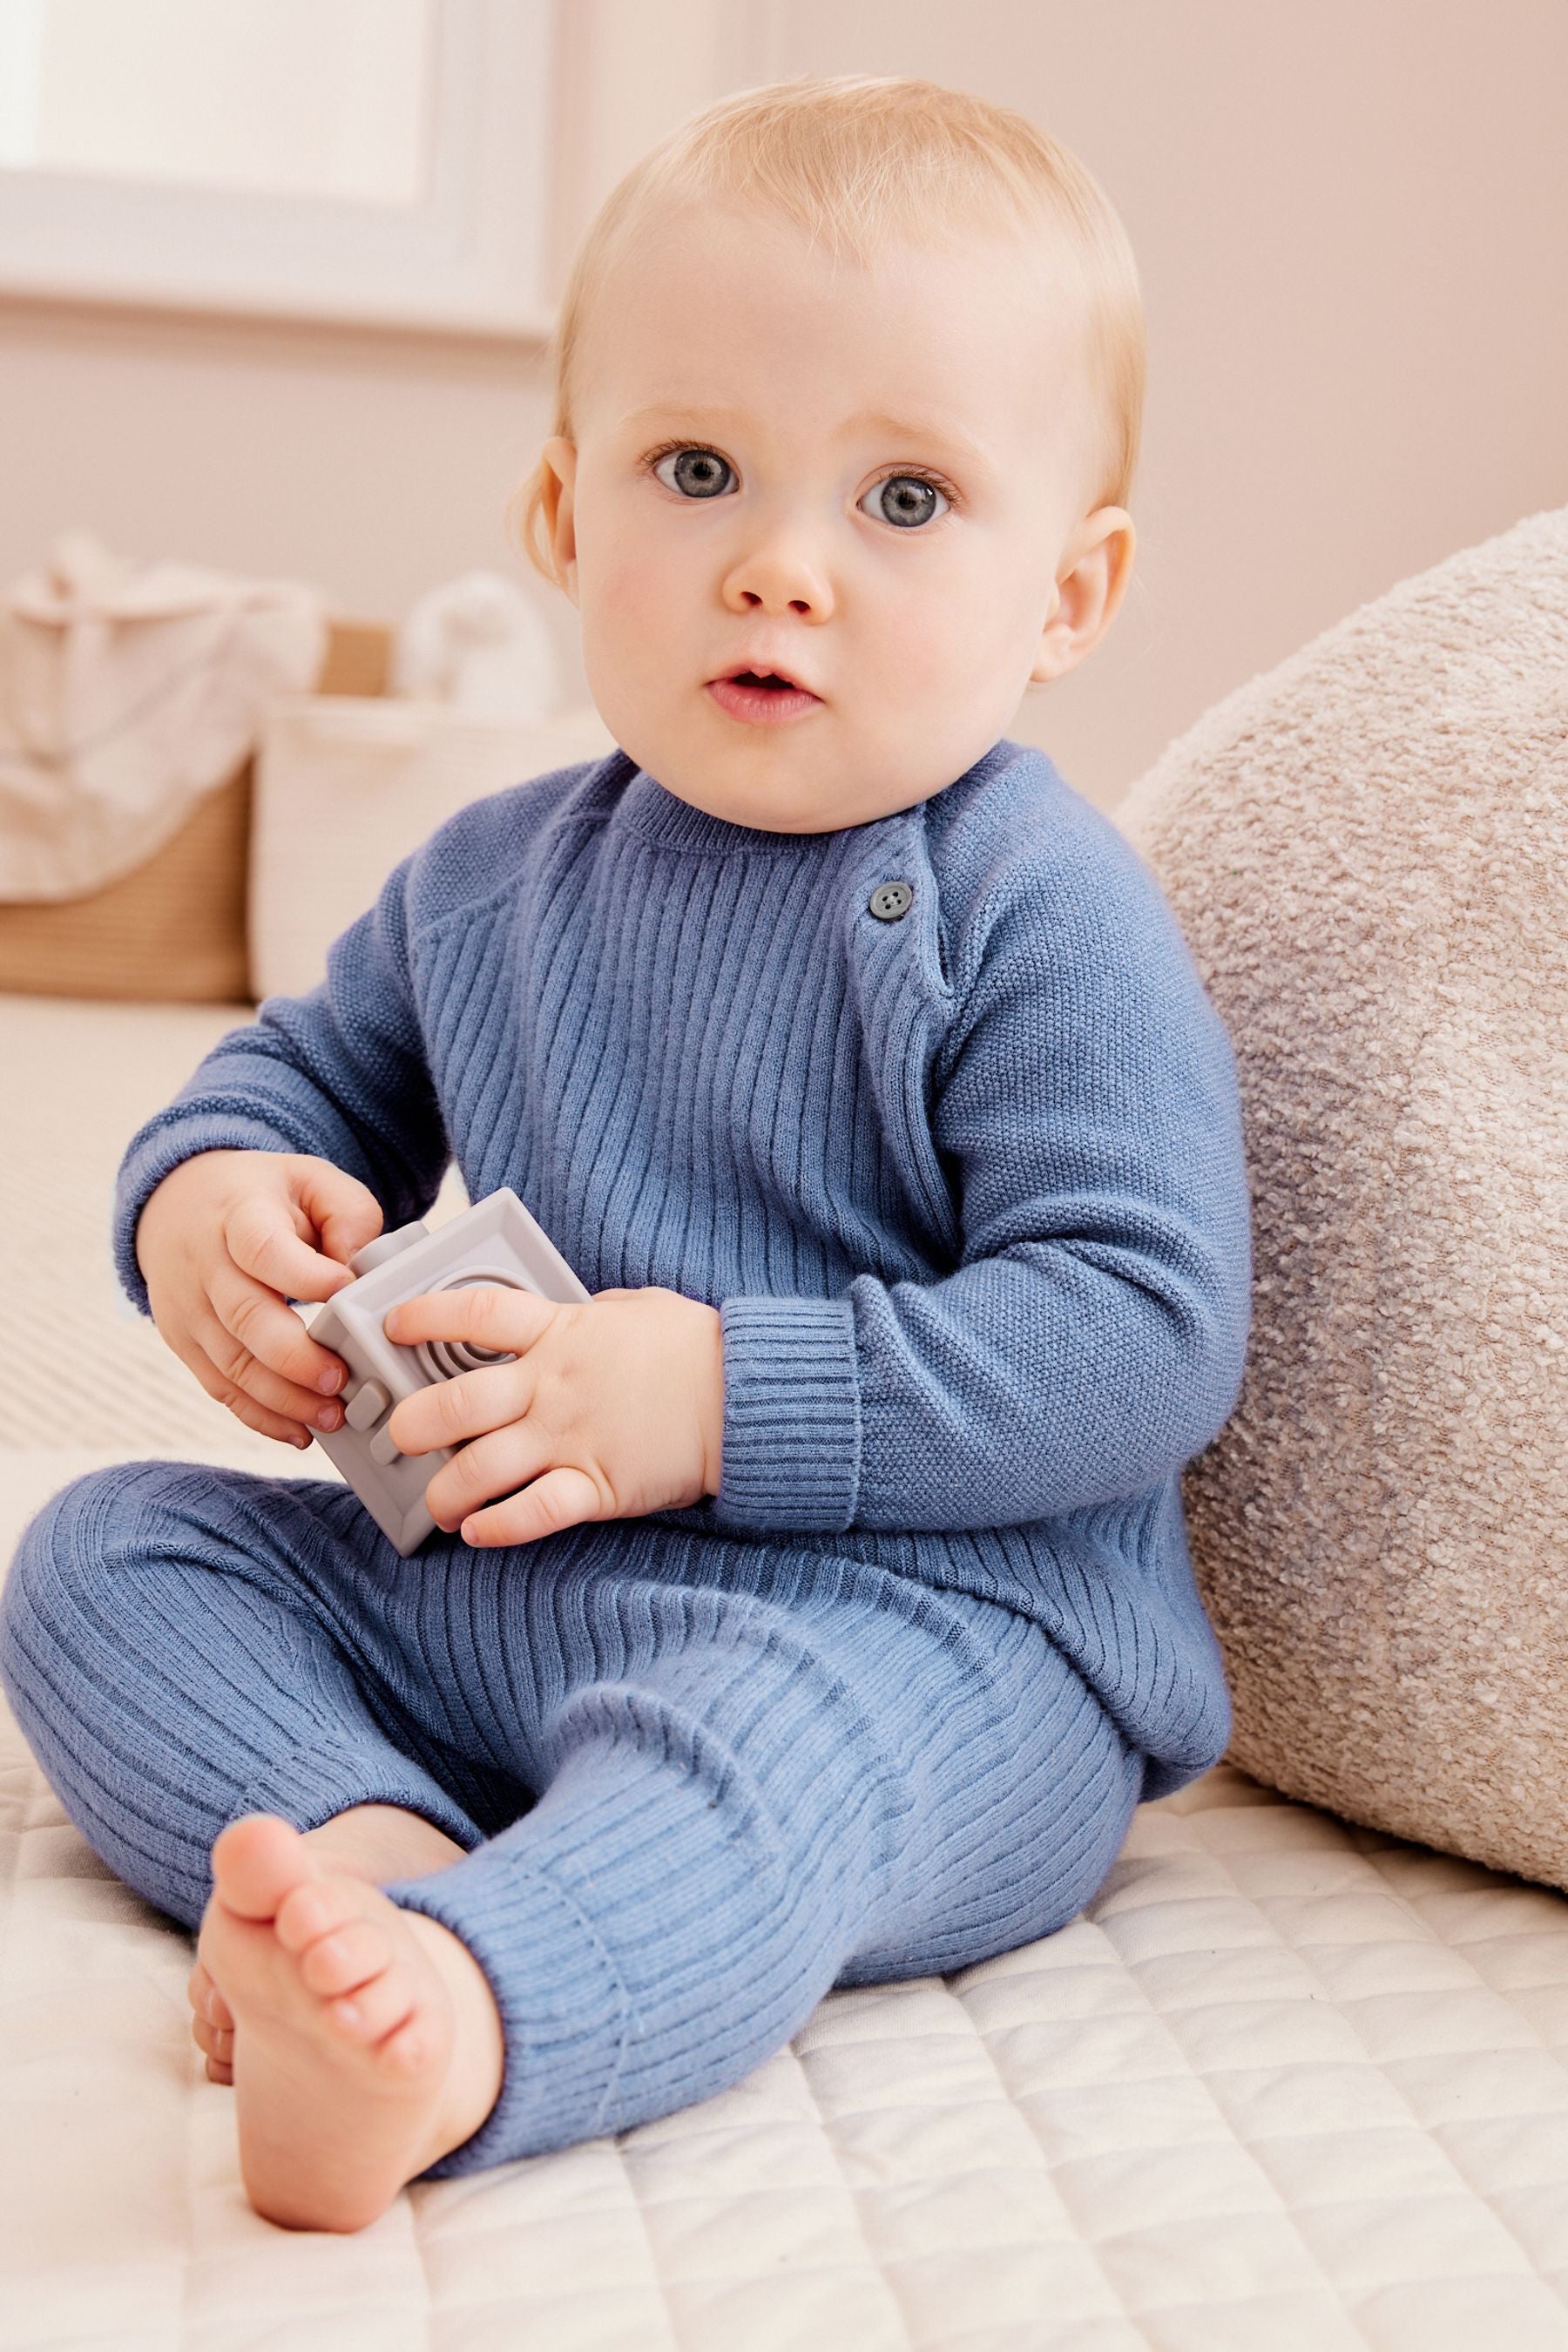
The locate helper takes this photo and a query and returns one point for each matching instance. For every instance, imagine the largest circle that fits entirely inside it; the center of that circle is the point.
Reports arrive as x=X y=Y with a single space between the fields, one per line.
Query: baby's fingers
x=244 y=1373
x=490 y=1315
x=259 y=1235
x=562 y=1497
x=345 y=1213
x=225 y=1391
x=258 y=1329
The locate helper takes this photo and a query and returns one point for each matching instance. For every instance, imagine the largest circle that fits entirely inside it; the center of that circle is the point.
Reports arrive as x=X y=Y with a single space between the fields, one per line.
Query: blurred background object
x=388 y=772
x=479 y=644
x=172 y=925
x=383 y=161
x=127 y=691
x=273 y=817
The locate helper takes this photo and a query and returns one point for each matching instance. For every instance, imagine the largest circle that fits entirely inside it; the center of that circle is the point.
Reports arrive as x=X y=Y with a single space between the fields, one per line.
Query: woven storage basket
x=175 y=930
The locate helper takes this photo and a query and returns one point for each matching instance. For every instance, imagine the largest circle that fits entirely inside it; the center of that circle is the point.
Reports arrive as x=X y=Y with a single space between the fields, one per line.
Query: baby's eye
x=697 y=471
x=913 y=502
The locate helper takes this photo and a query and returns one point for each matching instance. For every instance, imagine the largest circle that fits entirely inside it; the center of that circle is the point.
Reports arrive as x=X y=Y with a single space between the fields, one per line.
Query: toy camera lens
x=443 y=1359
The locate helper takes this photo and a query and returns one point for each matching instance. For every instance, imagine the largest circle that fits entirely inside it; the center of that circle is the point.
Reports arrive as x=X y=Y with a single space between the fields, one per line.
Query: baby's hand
x=224 y=1242
x=612 y=1408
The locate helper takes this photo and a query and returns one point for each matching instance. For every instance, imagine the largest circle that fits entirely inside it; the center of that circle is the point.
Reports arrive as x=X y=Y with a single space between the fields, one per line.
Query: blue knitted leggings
x=698 y=1779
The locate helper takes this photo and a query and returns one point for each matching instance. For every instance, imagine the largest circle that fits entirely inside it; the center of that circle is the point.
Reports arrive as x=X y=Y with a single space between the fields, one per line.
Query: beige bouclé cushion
x=1367 y=848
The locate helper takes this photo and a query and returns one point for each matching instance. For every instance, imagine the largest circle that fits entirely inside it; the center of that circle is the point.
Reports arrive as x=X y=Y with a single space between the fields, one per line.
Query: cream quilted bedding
x=1288 y=2087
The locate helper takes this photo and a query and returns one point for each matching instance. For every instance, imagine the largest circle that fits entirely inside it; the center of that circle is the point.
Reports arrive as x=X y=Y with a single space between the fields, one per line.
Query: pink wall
x=1350 y=222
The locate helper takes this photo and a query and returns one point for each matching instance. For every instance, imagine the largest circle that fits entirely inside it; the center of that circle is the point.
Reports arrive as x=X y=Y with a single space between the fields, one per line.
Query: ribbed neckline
x=646 y=809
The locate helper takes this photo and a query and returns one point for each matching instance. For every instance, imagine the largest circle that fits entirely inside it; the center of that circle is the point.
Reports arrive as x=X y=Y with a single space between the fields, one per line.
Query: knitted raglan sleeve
x=340 y=1073
x=1086 y=1112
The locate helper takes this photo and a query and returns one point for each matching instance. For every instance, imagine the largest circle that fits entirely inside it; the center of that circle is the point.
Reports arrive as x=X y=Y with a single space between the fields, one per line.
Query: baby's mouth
x=762 y=698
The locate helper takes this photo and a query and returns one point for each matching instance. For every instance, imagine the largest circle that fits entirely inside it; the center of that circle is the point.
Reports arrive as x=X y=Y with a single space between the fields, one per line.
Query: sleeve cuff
x=790 y=1445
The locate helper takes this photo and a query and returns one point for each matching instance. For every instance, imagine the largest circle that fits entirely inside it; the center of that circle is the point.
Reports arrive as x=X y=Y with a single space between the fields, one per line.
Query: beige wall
x=1350 y=222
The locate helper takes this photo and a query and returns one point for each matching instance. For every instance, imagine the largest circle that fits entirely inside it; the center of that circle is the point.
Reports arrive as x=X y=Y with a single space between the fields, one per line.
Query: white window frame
x=473 y=257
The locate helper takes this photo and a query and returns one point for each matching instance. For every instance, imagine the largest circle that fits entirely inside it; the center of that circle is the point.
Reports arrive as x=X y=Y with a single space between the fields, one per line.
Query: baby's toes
x=217 y=2040
x=375 y=2009
x=349 y=1957
x=205 y=1998
x=319 y=1907
x=217 y=2044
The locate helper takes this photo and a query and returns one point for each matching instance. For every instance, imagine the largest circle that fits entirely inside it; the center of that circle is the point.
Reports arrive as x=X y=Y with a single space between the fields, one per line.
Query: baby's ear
x=558 y=497
x=1092 y=580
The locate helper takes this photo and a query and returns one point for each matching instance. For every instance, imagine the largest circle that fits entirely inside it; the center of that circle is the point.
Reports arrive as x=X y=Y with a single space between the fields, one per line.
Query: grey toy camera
x=494 y=1242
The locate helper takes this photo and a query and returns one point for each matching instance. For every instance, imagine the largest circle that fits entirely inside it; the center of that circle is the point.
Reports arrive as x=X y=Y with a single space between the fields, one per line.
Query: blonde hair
x=852 y=159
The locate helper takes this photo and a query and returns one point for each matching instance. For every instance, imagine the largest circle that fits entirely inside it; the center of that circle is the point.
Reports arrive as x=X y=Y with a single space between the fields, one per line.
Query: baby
x=813 y=1605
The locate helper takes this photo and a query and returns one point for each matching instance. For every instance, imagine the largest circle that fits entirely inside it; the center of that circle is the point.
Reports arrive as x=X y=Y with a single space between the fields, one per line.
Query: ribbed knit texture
x=756 y=1776
x=967 y=1187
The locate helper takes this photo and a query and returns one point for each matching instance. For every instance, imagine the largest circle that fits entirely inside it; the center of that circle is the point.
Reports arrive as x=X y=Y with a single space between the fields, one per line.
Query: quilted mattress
x=1288 y=2087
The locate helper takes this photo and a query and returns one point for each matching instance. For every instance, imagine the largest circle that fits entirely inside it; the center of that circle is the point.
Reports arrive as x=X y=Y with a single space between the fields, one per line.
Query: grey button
x=364 y=1405
x=383 y=1448
x=890 y=901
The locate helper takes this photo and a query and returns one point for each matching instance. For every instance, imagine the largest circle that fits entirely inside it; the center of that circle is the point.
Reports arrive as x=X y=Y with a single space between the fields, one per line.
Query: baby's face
x=744 y=495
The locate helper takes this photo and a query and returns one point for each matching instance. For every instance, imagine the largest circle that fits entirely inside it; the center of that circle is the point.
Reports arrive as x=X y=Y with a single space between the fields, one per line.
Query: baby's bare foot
x=364 y=2041
x=374 y=1842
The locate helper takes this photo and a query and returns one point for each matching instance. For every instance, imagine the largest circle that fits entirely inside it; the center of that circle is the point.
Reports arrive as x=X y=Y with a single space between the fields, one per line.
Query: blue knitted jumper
x=960 y=1164
x=966 y=1180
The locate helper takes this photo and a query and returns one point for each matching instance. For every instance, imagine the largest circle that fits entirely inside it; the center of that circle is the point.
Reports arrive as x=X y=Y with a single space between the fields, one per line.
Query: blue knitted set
x=961 y=1165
